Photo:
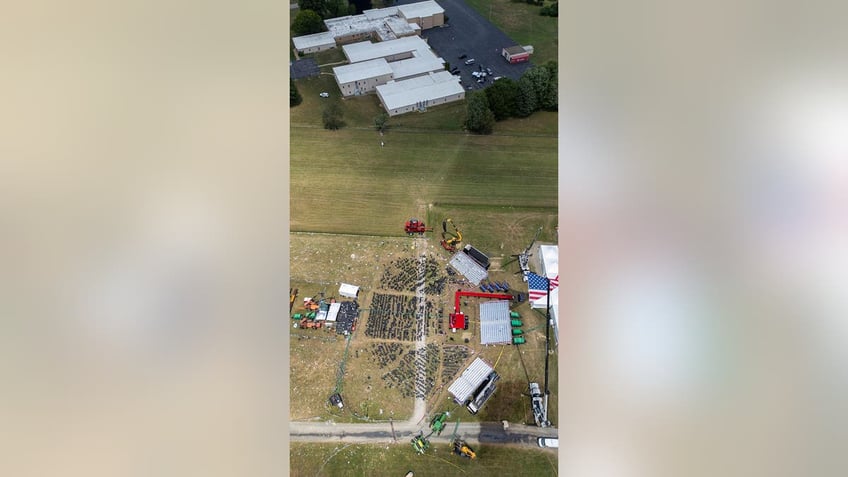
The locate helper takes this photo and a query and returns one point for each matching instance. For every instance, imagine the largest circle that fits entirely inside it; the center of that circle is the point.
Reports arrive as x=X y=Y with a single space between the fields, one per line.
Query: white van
x=551 y=442
x=469 y=61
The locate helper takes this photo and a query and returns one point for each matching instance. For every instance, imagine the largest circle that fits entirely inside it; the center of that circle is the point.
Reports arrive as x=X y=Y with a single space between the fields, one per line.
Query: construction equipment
x=415 y=226
x=461 y=448
x=306 y=323
x=310 y=304
x=524 y=257
x=537 y=405
x=450 y=239
x=420 y=443
x=292 y=297
x=457 y=319
x=437 y=425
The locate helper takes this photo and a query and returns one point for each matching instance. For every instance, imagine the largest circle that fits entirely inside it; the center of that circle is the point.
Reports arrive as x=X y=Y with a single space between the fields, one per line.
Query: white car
x=324 y=94
x=469 y=61
x=551 y=442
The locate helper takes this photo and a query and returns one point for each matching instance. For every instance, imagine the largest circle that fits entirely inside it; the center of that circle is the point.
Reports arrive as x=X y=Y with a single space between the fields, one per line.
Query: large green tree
x=552 y=98
x=307 y=22
x=316 y=6
x=333 y=116
x=294 y=94
x=525 y=99
x=501 y=95
x=540 y=78
x=479 y=118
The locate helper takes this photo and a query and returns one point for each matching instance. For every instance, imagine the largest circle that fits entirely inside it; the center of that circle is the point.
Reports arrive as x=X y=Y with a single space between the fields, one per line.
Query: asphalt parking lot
x=304 y=68
x=471 y=34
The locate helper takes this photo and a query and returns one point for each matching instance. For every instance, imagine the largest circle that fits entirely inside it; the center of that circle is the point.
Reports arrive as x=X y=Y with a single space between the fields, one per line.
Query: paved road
x=475 y=433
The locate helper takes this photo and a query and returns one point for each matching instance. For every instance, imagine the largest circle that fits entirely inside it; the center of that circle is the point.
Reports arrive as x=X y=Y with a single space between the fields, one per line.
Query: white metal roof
x=420 y=9
x=333 y=312
x=466 y=266
x=469 y=380
x=360 y=71
x=550 y=260
x=495 y=326
x=416 y=66
x=314 y=40
x=367 y=50
x=399 y=94
x=377 y=13
x=348 y=290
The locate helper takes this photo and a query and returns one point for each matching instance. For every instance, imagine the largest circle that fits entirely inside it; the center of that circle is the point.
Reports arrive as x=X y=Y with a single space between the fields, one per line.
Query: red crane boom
x=457 y=319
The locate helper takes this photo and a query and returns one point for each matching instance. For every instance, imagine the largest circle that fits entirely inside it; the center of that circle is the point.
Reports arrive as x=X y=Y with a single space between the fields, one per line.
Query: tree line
x=312 y=13
x=536 y=90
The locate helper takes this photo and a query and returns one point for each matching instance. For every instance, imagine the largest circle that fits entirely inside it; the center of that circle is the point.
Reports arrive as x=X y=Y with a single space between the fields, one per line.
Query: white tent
x=348 y=290
x=549 y=264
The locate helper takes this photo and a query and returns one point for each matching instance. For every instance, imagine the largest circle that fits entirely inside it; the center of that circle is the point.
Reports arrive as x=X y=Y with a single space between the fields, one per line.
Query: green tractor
x=420 y=443
x=438 y=422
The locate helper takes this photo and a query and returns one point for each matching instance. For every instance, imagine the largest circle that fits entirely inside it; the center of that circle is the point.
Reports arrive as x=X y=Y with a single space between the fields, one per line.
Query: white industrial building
x=361 y=78
x=419 y=93
x=382 y=24
x=314 y=43
x=392 y=50
x=374 y=64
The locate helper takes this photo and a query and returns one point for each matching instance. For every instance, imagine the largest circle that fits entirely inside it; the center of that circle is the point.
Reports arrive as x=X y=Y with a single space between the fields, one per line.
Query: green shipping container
x=518 y=340
x=297 y=316
x=514 y=314
x=517 y=331
x=516 y=322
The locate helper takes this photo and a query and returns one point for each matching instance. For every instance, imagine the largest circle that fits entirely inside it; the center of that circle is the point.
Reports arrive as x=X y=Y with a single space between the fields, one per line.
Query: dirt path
x=420 y=408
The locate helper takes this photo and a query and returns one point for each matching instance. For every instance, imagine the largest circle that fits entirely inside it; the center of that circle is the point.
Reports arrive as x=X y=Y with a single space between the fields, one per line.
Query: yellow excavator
x=461 y=448
x=450 y=239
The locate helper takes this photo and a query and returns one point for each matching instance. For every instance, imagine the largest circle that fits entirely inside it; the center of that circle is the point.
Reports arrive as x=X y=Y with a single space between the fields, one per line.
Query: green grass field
x=522 y=23
x=344 y=182
x=315 y=460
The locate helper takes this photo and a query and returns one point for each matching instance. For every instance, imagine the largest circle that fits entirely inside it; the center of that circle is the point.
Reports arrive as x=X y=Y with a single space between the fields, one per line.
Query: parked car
x=463 y=56
x=497 y=78
x=469 y=61
x=489 y=70
x=324 y=94
x=549 y=442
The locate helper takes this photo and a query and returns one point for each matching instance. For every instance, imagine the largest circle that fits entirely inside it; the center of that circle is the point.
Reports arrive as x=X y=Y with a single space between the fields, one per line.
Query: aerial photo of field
x=353 y=190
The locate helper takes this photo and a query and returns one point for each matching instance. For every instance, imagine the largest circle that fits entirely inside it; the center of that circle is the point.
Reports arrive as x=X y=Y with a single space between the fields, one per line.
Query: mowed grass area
x=315 y=460
x=522 y=23
x=500 y=232
x=345 y=182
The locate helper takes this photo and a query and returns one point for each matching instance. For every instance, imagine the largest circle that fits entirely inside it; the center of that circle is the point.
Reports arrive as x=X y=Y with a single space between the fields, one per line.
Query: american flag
x=537 y=286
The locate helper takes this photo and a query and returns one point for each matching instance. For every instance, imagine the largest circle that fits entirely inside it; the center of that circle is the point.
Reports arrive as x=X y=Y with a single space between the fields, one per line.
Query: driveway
x=471 y=34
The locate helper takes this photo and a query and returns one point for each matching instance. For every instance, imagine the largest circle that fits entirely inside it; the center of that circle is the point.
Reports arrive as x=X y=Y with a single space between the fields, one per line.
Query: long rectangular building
x=399 y=49
x=361 y=78
x=419 y=93
x=382 y=24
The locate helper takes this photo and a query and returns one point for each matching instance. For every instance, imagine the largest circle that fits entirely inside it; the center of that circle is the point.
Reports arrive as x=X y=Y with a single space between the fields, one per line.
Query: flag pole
x=547 y=343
